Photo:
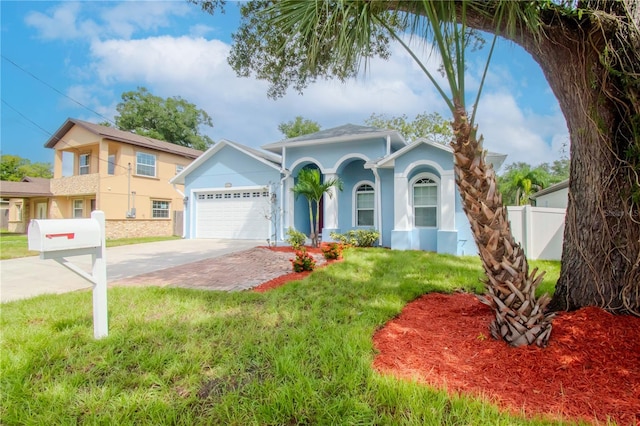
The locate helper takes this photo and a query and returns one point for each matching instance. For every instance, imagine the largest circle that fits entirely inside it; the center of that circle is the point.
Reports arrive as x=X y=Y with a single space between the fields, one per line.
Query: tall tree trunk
x=601 y=251
x=520 y=317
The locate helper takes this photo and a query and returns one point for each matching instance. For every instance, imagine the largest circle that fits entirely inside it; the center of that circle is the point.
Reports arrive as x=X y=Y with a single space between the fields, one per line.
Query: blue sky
x=75 y=59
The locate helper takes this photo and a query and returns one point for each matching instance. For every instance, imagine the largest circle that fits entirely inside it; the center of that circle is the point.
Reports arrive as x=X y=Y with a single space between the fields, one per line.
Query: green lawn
x=299 y=354
x=15 y=245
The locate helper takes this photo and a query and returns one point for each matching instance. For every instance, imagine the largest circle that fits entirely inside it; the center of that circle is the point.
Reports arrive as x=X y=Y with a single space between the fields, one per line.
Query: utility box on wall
x=49 y=235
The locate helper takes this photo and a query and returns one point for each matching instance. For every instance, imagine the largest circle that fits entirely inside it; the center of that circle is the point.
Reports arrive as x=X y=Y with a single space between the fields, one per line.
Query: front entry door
x=41 y=210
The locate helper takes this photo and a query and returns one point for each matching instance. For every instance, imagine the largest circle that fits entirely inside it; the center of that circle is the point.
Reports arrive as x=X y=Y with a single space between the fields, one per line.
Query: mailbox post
x=57 y=239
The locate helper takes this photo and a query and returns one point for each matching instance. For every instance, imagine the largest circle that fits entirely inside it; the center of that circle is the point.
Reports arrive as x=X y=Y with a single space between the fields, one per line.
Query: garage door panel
x=239 y=218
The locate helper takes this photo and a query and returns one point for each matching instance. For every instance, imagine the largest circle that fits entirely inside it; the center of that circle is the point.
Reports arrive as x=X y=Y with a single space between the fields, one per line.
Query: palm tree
x=313 y=189
x=520 y=182
x=343 y=31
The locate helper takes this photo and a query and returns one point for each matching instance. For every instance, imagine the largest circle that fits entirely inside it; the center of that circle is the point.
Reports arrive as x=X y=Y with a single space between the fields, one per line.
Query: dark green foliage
x=298 y=127
x=14 y=168
x=173 y=119
x=430 y=126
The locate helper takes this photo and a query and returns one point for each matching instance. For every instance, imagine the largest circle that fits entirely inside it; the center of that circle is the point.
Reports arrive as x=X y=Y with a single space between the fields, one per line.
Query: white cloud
x=62 y=24
x=522 y=135
x=197 y=70
x=67 y=21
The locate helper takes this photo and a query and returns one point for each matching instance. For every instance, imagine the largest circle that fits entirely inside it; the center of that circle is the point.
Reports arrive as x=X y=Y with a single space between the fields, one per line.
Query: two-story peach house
x=121 y=173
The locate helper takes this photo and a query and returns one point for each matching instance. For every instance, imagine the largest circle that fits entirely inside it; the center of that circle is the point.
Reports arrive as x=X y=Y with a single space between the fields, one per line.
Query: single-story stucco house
x=404 y=190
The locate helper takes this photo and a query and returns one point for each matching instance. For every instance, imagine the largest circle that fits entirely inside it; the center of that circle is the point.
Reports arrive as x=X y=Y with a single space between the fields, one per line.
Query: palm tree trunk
x=311 y=229
x=519 y=318
x=317 y=242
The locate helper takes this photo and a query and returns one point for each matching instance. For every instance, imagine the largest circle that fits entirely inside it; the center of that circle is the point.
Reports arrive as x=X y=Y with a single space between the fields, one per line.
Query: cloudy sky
x=75 y=59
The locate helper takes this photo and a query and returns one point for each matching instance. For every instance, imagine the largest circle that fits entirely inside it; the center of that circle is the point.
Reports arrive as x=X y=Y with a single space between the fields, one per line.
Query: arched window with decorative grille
x=364 y=204
x=425 y=201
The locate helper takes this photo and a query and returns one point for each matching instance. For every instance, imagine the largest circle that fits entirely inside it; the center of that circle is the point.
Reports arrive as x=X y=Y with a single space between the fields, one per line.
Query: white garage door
x=238 y=214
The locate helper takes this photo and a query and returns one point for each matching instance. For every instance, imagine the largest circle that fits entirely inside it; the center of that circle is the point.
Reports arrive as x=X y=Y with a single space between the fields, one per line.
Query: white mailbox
x=64 y=234
x=57 y=239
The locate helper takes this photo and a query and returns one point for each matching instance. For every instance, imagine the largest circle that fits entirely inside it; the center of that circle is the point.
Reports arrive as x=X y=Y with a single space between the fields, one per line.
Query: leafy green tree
x=309 y=184
x=173 y=119
x=589 y=52
x=14 y=168
x=520 y=180
x=298 y=127
x=430 y=126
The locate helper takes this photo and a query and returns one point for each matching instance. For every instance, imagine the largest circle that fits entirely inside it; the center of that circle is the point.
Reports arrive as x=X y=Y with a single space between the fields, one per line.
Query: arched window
x=364 y=205
x=425 y=203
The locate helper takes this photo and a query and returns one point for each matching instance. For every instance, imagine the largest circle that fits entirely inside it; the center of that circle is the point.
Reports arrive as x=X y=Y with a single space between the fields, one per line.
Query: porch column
x=331 y=204
x=330 y=213
x=289 y=198
x=402 y=207
x=448 y=201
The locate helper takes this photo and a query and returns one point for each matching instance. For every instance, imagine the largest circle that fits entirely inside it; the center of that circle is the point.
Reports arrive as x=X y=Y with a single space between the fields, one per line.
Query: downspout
x=388 y=145
x=374 y=169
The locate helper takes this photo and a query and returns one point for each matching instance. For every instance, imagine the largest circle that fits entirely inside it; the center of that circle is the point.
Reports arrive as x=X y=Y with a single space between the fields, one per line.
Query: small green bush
x=358 y=237
x=295 y=238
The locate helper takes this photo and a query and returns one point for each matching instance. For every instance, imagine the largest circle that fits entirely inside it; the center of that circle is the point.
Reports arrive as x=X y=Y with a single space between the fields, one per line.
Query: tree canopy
x=15 y=168
x=298 y=127
x=172 y=119
x=431 y=126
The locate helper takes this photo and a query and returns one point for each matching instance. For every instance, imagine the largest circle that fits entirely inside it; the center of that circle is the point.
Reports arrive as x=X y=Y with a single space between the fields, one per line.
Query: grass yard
x=15 y=245
x=298 y=354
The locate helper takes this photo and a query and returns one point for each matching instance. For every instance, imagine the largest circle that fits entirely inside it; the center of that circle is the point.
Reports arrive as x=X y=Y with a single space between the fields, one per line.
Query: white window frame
x=140 y=164
x=354 y=204
x=76 y=209
x=436 y=184
x=155 y=209
x=84 y=169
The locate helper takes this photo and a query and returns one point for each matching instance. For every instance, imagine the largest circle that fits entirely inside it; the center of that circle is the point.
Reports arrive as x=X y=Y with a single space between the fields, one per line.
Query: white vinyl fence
x=539 y=230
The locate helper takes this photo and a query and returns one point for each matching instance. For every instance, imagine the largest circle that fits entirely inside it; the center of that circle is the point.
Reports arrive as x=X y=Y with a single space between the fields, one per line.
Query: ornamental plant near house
x=303 y=261
x=332 y=251
x=295 y=238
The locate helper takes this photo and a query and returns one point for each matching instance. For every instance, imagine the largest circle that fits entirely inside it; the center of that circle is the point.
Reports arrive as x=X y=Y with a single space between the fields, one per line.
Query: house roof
x=122 y=136
x=271 y=160
x=28 y=187
x=389 y=160
x=344 y=133
x=551 y=189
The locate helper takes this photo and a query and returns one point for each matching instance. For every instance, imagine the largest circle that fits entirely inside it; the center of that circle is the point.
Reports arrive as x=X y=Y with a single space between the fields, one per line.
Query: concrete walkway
x=31 y=276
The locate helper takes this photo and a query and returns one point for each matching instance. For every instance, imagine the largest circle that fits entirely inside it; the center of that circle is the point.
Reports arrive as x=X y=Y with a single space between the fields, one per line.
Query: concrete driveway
x=31 y=276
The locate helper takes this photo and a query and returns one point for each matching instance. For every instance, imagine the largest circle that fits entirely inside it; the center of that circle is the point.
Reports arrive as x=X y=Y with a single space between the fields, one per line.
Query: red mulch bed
x=590 y=371
x=282 y=280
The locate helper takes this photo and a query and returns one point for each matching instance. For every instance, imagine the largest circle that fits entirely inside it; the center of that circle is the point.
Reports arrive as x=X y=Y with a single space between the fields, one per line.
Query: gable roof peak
x=121 y=136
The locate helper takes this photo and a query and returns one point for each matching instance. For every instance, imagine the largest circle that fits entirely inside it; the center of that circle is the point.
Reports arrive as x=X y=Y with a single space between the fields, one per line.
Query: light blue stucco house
x=404 y=190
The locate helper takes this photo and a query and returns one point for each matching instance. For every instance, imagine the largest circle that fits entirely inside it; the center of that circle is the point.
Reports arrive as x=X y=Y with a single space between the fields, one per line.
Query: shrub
x=303 y=261
x=358 y=237
x=295 y=238
x=332 y=251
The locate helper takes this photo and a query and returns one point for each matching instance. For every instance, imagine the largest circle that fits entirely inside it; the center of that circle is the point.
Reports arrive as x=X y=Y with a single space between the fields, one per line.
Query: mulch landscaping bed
x=589 y=372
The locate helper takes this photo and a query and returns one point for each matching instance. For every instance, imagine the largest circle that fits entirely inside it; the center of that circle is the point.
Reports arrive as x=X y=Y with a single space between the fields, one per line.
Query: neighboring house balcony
x=75 y=185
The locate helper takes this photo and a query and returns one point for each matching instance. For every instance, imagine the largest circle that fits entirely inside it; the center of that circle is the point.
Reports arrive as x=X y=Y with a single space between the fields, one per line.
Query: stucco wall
x=138 y=228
